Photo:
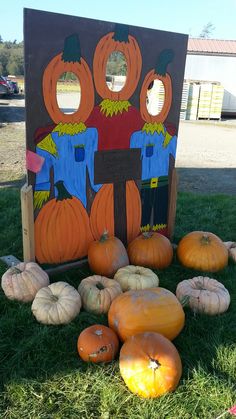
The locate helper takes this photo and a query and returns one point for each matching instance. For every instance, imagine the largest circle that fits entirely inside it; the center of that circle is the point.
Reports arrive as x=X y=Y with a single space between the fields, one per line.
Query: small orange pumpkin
x=119 y=40
x=62 y=230
x=107 y=255
x=97 y=343
x=102 y=211
x=149 y=310
x=69 y=60
x=150 y=365
x=152 y=250
x=159 y=73
x=203 y=251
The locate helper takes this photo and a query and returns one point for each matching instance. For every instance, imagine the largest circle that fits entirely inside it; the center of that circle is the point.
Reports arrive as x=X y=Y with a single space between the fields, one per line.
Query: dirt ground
x=205 y=160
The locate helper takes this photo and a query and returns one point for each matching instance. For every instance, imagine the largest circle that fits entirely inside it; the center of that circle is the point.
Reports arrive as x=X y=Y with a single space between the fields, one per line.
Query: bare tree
x=207 y=30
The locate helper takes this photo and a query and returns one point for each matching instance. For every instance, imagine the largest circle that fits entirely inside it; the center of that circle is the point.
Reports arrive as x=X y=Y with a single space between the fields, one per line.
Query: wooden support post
x=173 y=183
x=27 y=213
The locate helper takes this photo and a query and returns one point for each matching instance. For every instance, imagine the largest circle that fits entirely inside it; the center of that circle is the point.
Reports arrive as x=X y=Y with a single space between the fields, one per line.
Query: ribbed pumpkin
x=150 y=365
x=98 y=292
x=22 y=282
x=102 y=211
x=107 y=255
x=121 y=41
x=136 y=277
x=152 y=250
x=159 y=73
x=62 y=230
x=69 y=60
x=97 y=343
x=202 y=251
x=204 y=295
x=59 y=303
x=149 y=310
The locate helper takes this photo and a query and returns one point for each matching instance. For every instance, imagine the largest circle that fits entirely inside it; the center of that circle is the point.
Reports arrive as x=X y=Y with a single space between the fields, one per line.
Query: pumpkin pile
x=142 y=316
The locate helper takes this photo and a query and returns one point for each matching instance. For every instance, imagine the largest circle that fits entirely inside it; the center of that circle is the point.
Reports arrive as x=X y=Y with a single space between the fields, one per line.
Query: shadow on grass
x=16 y=183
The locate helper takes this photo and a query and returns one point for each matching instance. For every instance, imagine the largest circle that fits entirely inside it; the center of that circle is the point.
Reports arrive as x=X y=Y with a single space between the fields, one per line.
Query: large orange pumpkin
x=121 y=41
x=152 y=250
x=102 y=211
x=69 y=60
x=97 y=343
x=150 y=365
x=107 y=255
x=159 y=73
x=203 y=251
x=149 y=310
x=62 y=230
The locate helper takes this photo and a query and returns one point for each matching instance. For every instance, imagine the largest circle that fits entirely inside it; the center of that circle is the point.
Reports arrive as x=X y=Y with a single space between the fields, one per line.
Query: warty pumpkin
x=69 y=60
x=204 y=295
x=97 y=343
x=98 y=292
x=22 y=281
x=203 y=251
x=136 y=277
x=62 y=230
x=107 y=255
x=159 y=73
x=150 y=365
x=149 y=310
x=102 y=211
x=59 y=303
x=152 y=250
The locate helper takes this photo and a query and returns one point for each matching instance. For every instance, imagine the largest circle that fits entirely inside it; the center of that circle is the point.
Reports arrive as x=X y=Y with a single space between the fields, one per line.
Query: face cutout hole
x=155 y=98
x=68 y=93
x=116 y=71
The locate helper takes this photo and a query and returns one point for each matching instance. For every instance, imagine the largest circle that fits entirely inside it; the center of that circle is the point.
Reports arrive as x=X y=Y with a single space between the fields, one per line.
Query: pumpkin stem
x=104 y=236
x=147 y=234
x=205 y=239
x=165 y=57
x=71 y=51
x=16 y=270
x=62 y=191
x=99 y=286
x=98 y=332
x=154 y=364
x=121 y=33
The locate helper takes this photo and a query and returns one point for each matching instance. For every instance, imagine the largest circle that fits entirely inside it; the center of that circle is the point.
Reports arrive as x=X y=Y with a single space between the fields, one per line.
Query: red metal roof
x=212 y=46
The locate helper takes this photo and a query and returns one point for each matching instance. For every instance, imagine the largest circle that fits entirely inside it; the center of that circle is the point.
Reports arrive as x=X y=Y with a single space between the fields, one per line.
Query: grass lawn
x=41 y=375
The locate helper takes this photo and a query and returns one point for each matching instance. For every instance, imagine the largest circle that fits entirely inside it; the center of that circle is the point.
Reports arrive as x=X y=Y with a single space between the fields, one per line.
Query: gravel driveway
x=205 y=161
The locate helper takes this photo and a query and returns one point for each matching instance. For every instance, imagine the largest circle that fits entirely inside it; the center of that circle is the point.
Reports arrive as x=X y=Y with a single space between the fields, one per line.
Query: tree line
x=11 y=58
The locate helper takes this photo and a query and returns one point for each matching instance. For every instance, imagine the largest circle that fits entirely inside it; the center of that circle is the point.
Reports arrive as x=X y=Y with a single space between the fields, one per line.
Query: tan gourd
x=136 y=277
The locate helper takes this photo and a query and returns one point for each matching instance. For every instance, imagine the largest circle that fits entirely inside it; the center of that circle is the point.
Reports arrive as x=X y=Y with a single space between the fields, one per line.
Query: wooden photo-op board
x=107 y=164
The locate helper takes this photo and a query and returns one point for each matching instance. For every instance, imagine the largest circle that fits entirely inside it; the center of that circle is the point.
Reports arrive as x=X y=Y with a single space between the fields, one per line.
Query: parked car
x=9 y=82
x=15 y=87
x=5 y=89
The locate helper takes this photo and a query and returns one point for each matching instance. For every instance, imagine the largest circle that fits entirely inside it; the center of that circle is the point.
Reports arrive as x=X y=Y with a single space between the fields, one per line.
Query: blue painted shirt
x=75 y=156
x=155 y=157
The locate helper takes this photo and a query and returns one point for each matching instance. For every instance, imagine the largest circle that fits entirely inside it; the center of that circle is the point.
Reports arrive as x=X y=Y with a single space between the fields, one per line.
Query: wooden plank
x=173 y=186
x=27 y=213
x=64 y=268
x=113 y=166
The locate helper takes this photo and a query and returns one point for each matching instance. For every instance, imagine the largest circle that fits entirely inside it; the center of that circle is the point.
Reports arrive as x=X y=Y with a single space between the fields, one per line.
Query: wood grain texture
x=27 y=213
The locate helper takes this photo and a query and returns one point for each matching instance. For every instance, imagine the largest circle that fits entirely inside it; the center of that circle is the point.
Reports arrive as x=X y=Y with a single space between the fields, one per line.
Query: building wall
x=215 y=68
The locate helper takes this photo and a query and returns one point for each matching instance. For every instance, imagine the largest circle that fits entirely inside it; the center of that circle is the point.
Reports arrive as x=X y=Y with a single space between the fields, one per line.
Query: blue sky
x=184 y=16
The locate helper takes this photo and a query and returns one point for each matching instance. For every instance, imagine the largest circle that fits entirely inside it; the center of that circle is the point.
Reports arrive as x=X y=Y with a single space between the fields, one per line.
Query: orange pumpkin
x=159 y=73
x=121 y=41
x=152 y=250
x=69 y=60
x=107 y=255
x=203 y=251
x=62 y=230
x=150 y=365
x=97 y=343
x=149 y=310
x=102 y=211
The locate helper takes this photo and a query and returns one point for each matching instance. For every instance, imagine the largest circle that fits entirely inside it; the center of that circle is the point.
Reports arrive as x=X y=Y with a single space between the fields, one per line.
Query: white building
x=214 y=60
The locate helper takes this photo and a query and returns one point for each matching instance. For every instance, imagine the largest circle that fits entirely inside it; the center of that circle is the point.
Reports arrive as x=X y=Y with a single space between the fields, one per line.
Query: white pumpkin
x=59 y=303
x=136 y=278
x=203 y=294
x=98 y=292
x=231 y=246
x=22 y=282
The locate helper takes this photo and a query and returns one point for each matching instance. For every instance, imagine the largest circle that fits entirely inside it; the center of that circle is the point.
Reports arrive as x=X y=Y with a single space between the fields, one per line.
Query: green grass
x=41 y=375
